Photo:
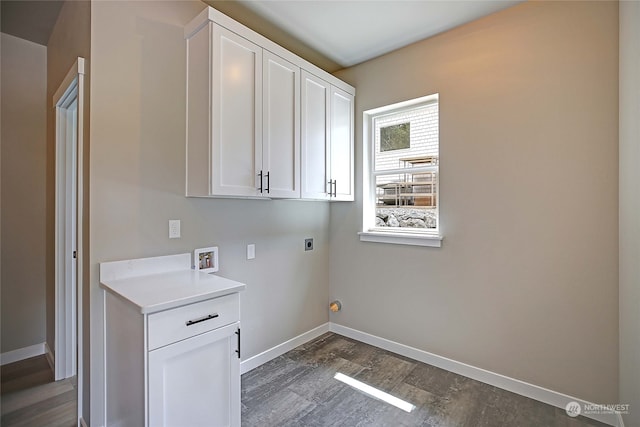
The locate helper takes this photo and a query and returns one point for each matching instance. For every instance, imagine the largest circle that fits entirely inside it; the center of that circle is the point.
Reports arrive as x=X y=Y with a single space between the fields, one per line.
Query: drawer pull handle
x=202 y=319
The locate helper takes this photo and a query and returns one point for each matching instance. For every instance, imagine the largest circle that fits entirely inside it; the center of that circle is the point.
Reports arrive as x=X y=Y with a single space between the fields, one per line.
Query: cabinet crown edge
x=209 y=14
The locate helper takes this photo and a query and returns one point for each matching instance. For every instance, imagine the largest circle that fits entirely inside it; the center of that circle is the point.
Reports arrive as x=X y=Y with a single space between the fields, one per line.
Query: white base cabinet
x=172 y=368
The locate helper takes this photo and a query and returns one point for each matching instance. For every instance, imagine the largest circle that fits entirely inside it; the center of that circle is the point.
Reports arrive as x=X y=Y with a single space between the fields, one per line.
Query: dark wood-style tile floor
x=299 y=389
x=30 y=397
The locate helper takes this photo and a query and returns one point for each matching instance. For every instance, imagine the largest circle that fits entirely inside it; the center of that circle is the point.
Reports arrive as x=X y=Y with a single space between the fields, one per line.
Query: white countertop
x=156 y=291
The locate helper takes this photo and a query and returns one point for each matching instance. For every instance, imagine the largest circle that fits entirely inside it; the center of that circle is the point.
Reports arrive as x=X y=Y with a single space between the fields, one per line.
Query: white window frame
x=395 y=235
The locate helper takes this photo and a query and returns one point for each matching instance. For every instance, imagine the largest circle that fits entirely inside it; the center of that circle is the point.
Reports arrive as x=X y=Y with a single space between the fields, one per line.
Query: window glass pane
x=395 y=137
x=407 y=200
x=406 y=139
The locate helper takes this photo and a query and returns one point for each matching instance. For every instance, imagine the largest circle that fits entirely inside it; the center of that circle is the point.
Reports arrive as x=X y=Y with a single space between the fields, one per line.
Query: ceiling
x=333 y=34
x=352 y=31
x=31 y=20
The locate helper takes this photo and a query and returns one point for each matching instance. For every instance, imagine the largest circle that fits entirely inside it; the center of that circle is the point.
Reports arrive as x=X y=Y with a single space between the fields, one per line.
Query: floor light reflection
x=374 y=392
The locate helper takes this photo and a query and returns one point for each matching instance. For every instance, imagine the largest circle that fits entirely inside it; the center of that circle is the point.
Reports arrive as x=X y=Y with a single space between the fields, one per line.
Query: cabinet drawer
x=179 y=323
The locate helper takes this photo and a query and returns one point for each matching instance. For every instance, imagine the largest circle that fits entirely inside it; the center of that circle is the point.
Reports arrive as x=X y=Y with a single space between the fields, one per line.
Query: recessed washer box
x=206 y=259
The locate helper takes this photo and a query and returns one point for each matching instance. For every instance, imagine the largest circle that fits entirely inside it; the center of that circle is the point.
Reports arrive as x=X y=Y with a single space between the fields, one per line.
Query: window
x=401 y=165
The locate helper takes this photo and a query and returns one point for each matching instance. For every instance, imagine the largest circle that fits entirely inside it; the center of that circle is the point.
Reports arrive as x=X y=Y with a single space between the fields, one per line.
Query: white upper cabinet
x=224 y=114
x=280 y=127
x=260 y=124
x=341 y=168
x=315 y=137
x=327 y=141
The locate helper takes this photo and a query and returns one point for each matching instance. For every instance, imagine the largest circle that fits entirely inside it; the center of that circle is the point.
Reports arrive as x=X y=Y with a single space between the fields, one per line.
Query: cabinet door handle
x=260 y=175
x=268 y=182
x=238 y=350
x=202 y=319
x=333 y=188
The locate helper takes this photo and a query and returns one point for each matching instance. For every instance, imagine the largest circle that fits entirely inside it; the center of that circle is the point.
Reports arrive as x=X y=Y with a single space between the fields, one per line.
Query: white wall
x=24 y=153
x=526 y=282
x=137 y=185
x=630 y=209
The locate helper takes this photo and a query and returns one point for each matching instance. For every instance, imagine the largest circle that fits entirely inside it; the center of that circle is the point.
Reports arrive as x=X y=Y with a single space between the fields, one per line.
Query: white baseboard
x=50 y=358
x=513 y=385
x=272 y=353
x=22 y=353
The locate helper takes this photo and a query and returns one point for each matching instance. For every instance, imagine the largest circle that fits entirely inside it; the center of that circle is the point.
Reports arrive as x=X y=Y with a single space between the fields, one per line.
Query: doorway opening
x=68 y=102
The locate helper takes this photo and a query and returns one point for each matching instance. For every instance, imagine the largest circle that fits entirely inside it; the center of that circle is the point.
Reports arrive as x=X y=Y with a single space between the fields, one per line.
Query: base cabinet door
x=196 y=382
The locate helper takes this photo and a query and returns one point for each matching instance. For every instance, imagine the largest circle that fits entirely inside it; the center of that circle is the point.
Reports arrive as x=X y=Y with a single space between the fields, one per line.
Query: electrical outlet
x=251 y=251
x=308 y=244
x=174 y=228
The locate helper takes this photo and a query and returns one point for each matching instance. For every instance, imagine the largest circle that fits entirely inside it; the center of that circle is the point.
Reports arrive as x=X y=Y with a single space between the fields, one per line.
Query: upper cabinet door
x=315 y=137
x=341 y=151
x=236 y=110
x=281 y=127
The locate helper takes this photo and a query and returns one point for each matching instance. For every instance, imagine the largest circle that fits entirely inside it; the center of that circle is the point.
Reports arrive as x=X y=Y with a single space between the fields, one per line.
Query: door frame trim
x=72 y=86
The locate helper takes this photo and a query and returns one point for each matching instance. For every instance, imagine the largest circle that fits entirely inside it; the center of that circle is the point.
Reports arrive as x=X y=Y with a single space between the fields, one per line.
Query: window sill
x=430 y=240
